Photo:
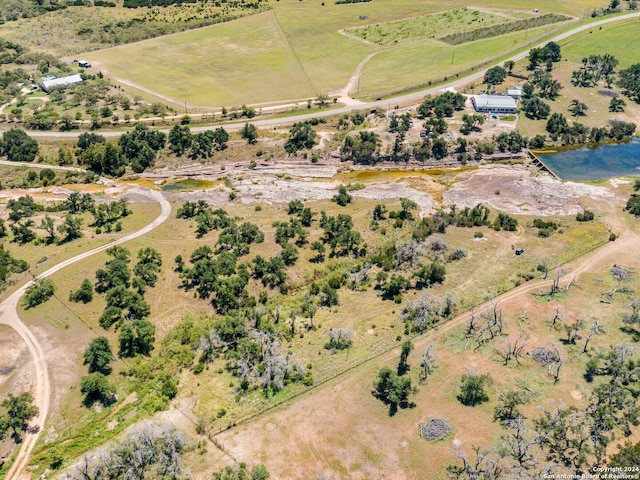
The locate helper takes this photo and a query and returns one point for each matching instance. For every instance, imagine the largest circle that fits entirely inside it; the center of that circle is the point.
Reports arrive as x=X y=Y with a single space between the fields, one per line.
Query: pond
x=188 y=185
x=587 y=164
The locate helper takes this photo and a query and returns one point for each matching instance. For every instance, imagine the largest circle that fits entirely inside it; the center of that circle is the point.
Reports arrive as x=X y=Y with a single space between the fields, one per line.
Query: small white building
x=514 y=93
x=47 y=85
x=494 y=104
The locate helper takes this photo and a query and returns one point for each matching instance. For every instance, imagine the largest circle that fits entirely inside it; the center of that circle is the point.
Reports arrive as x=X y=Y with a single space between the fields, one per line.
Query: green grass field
x=297 y=51
x=610 y=39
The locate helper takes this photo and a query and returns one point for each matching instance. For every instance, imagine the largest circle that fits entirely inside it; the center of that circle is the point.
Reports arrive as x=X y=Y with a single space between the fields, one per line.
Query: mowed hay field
x=297 y=51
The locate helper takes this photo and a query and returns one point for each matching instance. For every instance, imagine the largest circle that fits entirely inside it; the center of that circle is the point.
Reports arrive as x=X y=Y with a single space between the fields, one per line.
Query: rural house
x=494 y=104
x=47 y=85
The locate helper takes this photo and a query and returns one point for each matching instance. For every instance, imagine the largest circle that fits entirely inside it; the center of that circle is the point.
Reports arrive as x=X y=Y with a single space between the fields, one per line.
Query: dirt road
x=9 y=316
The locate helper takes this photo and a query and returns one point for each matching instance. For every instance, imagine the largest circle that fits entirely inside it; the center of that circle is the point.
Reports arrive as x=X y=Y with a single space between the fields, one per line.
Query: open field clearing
x=610 y=39
x=394 y=69
x=453 y=27
x=296 y=51
x=196 y=66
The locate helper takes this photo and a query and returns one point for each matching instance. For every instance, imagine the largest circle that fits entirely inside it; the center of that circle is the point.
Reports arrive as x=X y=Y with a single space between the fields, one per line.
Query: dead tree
x=573 y=331
x=519 y=344
x=555 y=286
x=558 y=315
x=427 y=363
x=512 y=348
x=620 y=274
x=596 y=329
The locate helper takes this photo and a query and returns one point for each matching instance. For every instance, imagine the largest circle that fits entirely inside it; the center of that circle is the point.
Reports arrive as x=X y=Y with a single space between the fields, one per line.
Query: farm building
x=47 y=85
x=514 y=93
x=494 y=104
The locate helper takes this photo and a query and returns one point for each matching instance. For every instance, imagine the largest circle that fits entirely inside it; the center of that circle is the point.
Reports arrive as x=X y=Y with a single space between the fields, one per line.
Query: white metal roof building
x=47 y=85
x=494 y=104
x=514 y=93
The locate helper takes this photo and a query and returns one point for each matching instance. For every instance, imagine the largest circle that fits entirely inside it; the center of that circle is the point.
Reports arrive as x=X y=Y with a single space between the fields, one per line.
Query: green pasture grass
x=426 y=27
x=412 y=66
x=294 y=51
x=615 y=39
x=236 y=63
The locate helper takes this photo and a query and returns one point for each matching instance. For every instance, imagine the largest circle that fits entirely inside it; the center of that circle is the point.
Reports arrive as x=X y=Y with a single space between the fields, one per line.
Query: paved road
x=406 y=99
x=9 y=316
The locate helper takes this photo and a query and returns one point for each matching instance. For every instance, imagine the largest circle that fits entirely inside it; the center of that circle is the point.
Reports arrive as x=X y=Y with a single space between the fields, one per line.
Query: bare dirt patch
x=514 y=190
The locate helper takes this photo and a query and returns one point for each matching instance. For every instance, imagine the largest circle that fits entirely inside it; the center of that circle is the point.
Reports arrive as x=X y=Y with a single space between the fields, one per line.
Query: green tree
x=84 y=294
x=495 y=75
x=70 y=228
x=18 y=146
x=577 y=108
x=220 y=138
x=393 y=390
x=48 y=225
x=96 y=388
x=535 y=108
x=557 y=124
x=85 y=140
x=617 y=105
x=472 y=389
x=250 y=133
x=39 y=292
x=180 y=139
x=551 y=51
x=403 y=366
x=629 y=80
x=342 y=198
x=301 y=136
x=136 y=338
x=20 y=410
x=98 y=356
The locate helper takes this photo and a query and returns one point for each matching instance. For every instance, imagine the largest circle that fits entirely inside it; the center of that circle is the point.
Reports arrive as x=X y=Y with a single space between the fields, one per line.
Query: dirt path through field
x=9 y=316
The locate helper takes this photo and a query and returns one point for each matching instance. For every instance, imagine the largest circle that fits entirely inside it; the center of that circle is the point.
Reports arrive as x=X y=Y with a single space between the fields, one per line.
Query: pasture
x=608 y=39
x=297 y=50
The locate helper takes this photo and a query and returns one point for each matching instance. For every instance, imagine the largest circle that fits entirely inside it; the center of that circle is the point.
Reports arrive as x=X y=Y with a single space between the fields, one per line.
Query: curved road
x=9 y=316
x=408 y=98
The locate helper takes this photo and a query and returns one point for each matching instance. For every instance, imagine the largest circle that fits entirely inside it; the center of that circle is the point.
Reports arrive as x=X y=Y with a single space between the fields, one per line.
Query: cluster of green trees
x=594 y=68
x=549 y=54
x=633 y=204
x=559 y=128
x=18 y=146
x=124 y=294
x=19 y=411
x=106 y=215
x=200 y=145
x=9 y=265
x=95 y=386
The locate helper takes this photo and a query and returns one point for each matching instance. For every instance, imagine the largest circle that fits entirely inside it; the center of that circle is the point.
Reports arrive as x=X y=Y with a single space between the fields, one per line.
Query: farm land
x=285 y=376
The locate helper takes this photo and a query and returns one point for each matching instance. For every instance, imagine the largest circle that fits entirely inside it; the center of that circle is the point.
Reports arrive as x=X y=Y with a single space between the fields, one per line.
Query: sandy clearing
x=514 y=190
